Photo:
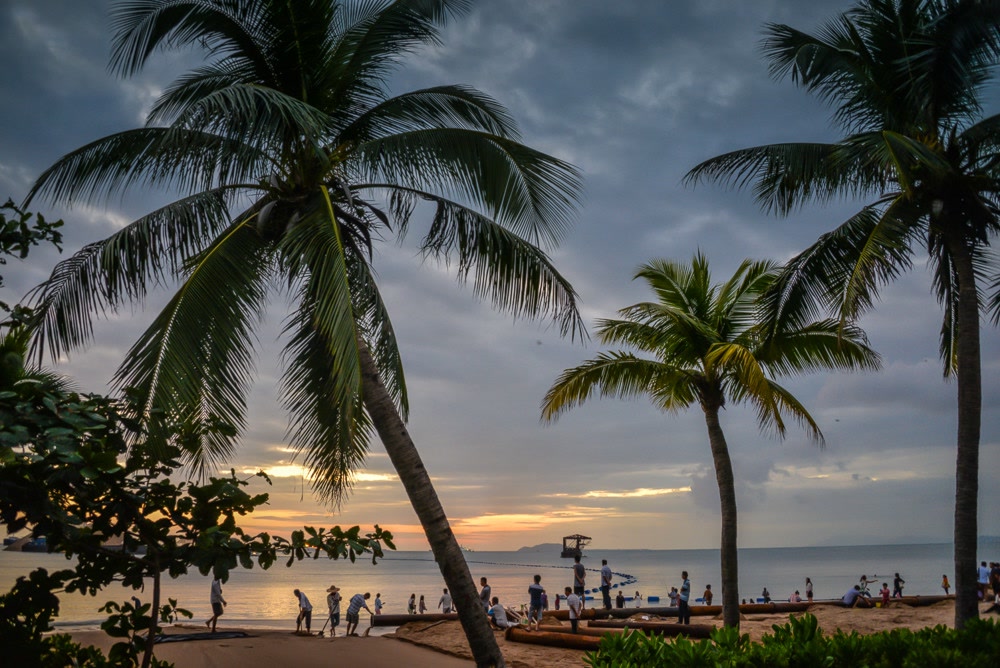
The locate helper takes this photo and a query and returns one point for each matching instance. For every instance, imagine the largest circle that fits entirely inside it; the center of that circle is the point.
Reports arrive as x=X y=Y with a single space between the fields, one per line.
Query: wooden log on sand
x=913 y=601
x=552 y=639
x=659 y=627
x=399 y=620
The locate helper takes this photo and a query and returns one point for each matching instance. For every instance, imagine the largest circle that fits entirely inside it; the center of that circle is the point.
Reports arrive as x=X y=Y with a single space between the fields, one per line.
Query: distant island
x=541 y=547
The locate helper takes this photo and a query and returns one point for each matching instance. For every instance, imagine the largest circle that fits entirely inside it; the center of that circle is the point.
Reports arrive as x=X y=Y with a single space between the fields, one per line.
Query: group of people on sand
x=860 y=596
x=333 y=600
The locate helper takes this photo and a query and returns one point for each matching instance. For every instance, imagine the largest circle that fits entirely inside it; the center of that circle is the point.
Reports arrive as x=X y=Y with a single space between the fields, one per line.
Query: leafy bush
x=801 y=644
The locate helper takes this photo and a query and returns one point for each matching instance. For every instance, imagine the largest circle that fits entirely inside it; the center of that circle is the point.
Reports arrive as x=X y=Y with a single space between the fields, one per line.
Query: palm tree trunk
x=727 y=498
x=424 y=499
x=970 y=406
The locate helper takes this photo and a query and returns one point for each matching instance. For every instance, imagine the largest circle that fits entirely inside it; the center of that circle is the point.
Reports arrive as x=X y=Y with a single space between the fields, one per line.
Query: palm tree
x=906 y=79
x=292 y=160
x=708 y=346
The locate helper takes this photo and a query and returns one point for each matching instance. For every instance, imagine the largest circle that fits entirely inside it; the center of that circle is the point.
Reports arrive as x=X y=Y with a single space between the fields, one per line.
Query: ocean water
x=264 y=599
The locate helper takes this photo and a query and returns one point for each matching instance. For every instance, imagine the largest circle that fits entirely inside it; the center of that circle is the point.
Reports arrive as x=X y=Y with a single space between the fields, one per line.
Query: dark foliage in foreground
x=800 y=643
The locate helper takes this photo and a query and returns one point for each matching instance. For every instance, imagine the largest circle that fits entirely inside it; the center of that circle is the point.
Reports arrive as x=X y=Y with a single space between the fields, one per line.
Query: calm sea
x=261 y=599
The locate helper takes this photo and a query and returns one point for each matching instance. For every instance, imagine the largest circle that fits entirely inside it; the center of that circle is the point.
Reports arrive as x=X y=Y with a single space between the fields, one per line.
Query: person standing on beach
x=535 y=591
x=945 y=584
x=766 y=595
x=620 y=599
x=484 y=594
x=579 y=580
x=884 y=592
x=983 y=580
x=897 y=586
x=411 y=606
x=422 y=607
x=378 y=604
x=638 y=600
x=683 y=611
x=606 y=583
x=305 y=612
x=707 y=595
x=445 y=602
x=333 y=605
x=575 y=606
x=218 y=603
x=354 y=611
x=809 y=590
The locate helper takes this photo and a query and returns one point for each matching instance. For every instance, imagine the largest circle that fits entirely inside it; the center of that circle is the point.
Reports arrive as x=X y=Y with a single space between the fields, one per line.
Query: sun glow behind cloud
x=623 y=494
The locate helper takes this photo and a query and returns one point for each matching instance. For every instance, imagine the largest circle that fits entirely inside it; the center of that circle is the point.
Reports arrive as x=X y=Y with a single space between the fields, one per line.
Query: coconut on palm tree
x=706 y=345
x=907 y=80
x=291 y=161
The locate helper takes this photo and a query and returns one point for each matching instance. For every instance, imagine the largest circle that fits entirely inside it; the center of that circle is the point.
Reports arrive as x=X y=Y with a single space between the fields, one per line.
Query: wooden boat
x=399 y=620
x=553 y=638
x=657 y=626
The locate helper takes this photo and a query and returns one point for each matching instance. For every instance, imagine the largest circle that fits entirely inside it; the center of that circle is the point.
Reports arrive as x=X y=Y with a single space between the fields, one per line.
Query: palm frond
x=140 y=27
x=105 y=275
x=327 y=422
x=376 y=326
x=532 y=194
x=621 y=375
x=784 y=176
x=174 y=158
x=513 y=274
x=823 y=344
x=194 y=364
x=442 y=106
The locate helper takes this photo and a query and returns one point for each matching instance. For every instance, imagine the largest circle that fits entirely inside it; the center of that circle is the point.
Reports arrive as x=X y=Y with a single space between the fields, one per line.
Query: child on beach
x=378 y=604
x=897 y=586
x=422 y=607
x=945 y=584
x=707 y=595
x=885 y=594
x=809 y=590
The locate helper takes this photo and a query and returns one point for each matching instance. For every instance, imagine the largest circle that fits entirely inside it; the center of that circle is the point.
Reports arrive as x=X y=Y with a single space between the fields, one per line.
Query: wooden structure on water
x=573 y=545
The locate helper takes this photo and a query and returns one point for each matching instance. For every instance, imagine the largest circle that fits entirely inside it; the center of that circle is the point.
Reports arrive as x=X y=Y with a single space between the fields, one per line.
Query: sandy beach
x=442 y=644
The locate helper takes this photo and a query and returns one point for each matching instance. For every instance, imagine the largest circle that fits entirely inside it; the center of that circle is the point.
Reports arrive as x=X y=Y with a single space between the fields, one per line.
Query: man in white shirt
x=575 y=606
x=498 y=615
x=445 y=602
x=218 y=603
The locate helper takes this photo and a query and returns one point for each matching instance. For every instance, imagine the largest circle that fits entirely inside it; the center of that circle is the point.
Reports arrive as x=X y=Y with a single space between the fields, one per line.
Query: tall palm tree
x=706 y=346
x=906 y=79
x=292 y=160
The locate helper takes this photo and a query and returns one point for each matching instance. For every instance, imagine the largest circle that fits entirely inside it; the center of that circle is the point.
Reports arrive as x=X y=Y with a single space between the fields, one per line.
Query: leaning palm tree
x=292 y=161
x=907 y=79
x=706 y=345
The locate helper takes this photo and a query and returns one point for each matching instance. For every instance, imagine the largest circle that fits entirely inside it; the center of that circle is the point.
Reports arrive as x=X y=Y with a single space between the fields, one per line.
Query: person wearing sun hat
x=333 y=603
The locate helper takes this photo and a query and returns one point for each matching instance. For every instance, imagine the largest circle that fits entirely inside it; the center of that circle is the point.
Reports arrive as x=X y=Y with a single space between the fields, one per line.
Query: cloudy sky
x=635 y=93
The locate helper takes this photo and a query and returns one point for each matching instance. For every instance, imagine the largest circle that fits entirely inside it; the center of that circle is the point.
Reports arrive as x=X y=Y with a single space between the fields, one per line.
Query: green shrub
x=801 y=644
